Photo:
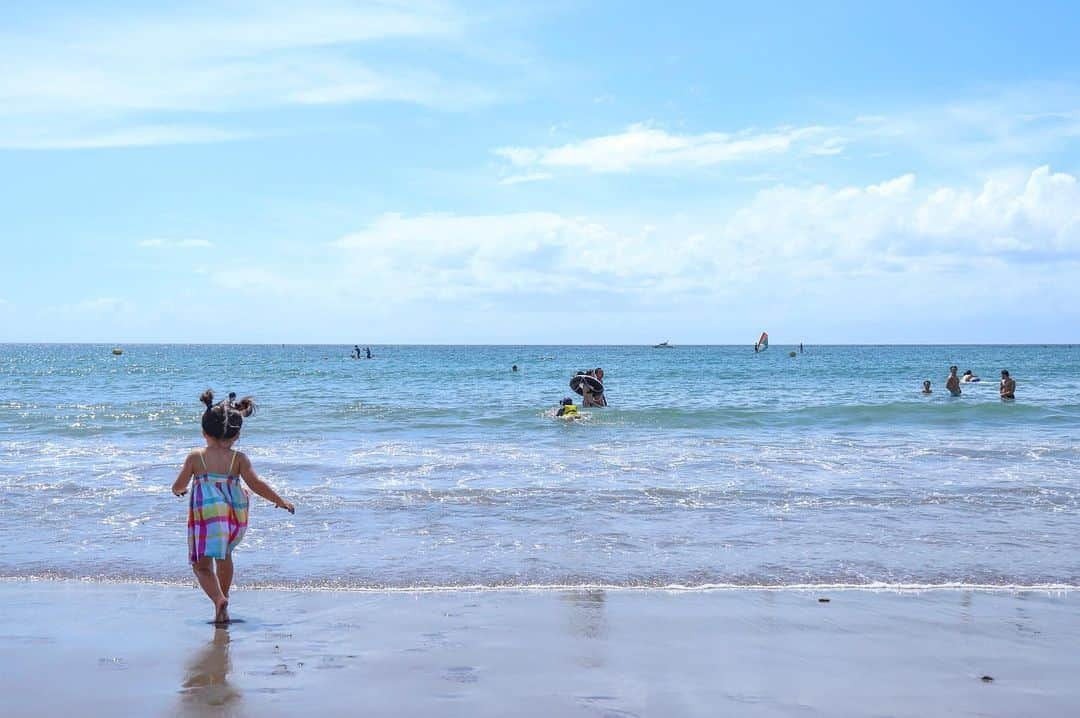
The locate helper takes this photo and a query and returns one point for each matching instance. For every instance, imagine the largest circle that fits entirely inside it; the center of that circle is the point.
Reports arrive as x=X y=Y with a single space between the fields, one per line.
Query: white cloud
x=824 y=231
x=973 y=135
x=816 y=232
x=641 y=146
x=90 y=79
x=525 y=178
x=97 y=307
x=55 y=138
x=158 y=243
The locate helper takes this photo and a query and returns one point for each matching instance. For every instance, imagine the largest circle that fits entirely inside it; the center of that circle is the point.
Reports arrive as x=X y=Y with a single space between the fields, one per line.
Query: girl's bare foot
x=222 y=614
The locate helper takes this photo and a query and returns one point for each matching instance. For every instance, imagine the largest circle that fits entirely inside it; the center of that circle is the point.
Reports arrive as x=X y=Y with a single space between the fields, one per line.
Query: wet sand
x=85 y=649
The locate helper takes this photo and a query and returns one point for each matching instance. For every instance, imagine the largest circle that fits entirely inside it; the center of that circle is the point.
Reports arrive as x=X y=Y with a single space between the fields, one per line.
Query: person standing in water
x=1007 y=389
x=366 y=349
x=926 y=387
x=356 y=351
x=598 y=399
x=953 y=382
x=218 y=508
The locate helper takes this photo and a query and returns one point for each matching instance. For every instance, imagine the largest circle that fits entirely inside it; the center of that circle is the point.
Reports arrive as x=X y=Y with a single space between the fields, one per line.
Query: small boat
x=662 y=345
x=117 y=351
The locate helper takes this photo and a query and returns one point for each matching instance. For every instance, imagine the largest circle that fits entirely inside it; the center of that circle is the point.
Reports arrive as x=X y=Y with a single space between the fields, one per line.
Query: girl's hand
x=287 y=506
x=179 y=493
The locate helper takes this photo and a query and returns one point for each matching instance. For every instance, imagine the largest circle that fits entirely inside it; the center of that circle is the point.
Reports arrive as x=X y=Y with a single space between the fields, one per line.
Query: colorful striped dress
x=218 y=515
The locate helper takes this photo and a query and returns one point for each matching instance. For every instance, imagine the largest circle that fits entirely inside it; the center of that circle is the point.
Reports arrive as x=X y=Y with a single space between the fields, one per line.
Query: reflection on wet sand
x=588 y=617
x=587 y=620
x=206 y=689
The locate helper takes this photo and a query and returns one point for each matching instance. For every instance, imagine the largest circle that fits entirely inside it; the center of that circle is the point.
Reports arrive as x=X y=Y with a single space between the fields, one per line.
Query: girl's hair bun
x=245 y=406
x=224 y=419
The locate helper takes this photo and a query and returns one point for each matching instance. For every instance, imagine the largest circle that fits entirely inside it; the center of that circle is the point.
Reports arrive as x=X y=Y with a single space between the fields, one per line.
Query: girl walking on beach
x=218 y=513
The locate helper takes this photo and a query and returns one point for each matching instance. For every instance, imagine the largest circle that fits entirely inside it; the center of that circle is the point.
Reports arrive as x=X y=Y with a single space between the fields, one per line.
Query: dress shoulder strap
x=231 y=462
x=202 y=458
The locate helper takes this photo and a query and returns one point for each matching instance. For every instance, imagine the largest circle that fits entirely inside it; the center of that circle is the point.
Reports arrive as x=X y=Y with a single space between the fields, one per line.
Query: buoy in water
x=117 y=351
x=791 y=354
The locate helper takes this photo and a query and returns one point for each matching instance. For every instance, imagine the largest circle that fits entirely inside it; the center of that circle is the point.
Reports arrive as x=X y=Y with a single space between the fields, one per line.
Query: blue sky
x=554 y=172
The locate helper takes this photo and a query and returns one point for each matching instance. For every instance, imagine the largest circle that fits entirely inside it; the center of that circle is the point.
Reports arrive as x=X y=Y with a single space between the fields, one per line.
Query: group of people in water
x=589 y=384
x=356 y=353
x=1006 y=389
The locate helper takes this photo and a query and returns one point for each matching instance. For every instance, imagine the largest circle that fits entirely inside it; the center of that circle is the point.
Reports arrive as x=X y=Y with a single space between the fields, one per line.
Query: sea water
x=441 y=467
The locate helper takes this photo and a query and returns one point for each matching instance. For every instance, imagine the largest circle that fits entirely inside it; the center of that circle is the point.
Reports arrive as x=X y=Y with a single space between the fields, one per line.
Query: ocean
x=432 y=467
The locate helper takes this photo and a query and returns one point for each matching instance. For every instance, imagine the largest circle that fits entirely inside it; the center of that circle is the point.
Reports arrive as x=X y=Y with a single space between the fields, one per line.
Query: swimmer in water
x=953 y=382
x=926 y=387
x=969 y=377
x=567 y=410
x=1007 y=389
x=513 y=368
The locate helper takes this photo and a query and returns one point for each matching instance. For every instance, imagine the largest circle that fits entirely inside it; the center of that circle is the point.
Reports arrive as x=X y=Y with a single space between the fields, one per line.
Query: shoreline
x=142 y=649
x=1050 y=589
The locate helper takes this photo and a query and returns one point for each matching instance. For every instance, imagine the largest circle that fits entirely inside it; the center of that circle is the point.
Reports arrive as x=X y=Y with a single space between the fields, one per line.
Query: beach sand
x=95 y=649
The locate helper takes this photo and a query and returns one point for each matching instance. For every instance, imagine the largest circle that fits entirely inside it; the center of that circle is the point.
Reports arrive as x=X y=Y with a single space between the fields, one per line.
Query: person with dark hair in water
x=591 y=397
x=952 y=383
x=218 y=509
x=567 y=410
x=1007 y=388
x=926 y=387
x=368 y=350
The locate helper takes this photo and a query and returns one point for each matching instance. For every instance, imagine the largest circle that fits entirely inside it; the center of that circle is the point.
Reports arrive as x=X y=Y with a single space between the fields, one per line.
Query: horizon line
x=447 y=344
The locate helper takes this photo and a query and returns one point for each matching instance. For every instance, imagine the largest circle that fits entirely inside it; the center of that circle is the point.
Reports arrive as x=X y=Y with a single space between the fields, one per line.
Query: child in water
x=567 y=410
x=218 y=510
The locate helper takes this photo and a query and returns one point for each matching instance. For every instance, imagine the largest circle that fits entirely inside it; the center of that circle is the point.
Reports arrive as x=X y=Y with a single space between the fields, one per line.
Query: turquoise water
x=438 y=466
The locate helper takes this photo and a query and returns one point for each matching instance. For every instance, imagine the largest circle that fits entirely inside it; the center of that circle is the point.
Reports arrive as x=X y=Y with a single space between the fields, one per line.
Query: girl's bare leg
x=208 y=580
x=224 y=574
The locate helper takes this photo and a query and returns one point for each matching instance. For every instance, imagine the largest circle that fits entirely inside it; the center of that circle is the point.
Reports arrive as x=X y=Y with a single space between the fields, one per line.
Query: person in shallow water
x=953 y=382
x=567 y=410
x=1007 y=388
x=969 y=377
x=590 y=398
x=926 y=387
x=218 y=510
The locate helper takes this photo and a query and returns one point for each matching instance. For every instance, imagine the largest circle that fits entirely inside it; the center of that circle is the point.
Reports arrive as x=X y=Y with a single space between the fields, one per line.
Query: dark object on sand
x=823 y=600
x=987 y=679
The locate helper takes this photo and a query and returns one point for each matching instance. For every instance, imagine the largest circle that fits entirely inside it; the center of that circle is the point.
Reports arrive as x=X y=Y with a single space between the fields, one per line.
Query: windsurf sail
x=762 y=342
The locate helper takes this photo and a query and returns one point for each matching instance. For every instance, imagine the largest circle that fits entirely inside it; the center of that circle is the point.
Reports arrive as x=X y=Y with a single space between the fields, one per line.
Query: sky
x=554 y=172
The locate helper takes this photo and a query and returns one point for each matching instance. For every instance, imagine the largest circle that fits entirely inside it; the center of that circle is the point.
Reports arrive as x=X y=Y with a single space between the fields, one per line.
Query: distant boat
x=117 y=351
x=662 y=345
x=762 y=342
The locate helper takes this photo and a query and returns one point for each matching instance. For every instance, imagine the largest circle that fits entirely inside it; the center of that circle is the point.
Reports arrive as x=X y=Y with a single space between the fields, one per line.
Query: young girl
x=218 y=515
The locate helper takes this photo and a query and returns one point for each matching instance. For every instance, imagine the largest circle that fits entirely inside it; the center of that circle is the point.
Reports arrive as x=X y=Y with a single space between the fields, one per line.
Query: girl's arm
x=179 y=487
x=247 y=471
